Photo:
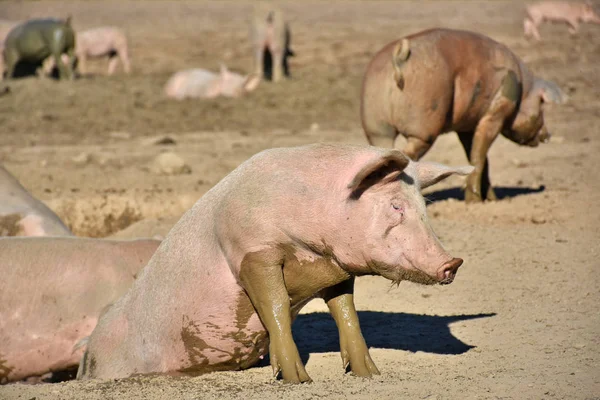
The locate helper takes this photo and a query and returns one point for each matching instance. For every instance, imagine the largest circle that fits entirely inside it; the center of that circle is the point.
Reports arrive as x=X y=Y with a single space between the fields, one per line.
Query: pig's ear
x=223 y=71
x=429 y=173
x=251 y=82
x=550 y=92
x=376 y=170
x=399 y=56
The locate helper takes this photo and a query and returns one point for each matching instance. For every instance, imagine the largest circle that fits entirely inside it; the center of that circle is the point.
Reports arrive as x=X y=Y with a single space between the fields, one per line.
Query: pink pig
x=52 y=292
x=200 y=83
x=561 y=11
x=286 y=226
x=104 y=41
x=23 y=215
x=101 y=42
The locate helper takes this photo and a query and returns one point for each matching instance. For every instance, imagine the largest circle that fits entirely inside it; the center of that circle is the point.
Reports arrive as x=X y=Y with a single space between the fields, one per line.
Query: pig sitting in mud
x=104 y=41
x=200 y=83
x=52 y=292
x=443 y=80
x=270 y=36
x=35 y=40
x=23 y=215
x=286 y=226
x=558 y=11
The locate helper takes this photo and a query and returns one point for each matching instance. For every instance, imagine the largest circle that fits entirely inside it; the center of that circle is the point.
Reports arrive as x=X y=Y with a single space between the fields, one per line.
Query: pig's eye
x=397 y=207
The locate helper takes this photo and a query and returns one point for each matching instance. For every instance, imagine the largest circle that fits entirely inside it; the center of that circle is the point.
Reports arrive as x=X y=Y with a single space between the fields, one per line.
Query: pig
x=442 y=80
x=21 y=214
x=559 y=11
x=104 y=41
x=35 y=40
x=270 y=36
x=52 y=292
x=286 y=226
x=200 y=83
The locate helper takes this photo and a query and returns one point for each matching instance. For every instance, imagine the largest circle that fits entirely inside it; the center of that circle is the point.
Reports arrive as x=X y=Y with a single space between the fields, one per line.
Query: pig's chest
x=306 y=275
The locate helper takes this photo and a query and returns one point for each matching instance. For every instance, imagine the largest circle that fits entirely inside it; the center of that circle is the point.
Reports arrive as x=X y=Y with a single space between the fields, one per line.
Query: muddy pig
x=286 y=226
x=23 y=215
x=52 y=292
x=35 y=40
x=559 y=11
x=200 y=83
x=270 y=36
x=443 y=80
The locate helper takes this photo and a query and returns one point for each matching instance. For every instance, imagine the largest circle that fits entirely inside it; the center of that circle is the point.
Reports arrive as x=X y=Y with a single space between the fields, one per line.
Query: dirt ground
x=521 y=320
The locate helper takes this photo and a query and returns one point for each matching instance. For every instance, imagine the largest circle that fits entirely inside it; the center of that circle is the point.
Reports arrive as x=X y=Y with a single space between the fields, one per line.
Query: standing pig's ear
x=550 y=92
x=392 y=162
x=251 y=82
x=429 y=173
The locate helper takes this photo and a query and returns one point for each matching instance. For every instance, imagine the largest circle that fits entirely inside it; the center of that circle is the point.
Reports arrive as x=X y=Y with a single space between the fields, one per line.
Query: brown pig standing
x=443 y=80
x=286 y=226
x=559 y=11
x=52 y=292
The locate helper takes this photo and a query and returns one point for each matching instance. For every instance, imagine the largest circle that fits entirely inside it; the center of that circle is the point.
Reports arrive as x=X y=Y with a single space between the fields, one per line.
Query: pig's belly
x=223 y=333
x=37 y=351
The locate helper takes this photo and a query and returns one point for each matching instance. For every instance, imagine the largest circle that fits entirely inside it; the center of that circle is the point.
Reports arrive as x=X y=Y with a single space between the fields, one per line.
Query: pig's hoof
x=491 y=195
x=472 y=197
x=366 y=369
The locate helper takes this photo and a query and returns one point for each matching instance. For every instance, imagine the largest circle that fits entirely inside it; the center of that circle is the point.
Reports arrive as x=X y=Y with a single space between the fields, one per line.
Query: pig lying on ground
x=105 y=41
x=270 y=36
x=52 y=292
x=286 y=226
x=559 y=11
x=200 y=83
x=443 y=80
x=35 y=40
x=23 y=215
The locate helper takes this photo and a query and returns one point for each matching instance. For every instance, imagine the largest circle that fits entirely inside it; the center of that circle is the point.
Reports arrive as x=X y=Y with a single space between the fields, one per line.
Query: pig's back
x=189 y=83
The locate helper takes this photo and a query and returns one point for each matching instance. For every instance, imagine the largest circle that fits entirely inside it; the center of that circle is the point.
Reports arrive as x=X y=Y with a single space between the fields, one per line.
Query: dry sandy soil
x=521 y=320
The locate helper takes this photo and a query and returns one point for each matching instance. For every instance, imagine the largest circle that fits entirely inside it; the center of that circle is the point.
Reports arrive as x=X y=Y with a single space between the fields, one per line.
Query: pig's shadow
x=502 y=192
x=318 y=333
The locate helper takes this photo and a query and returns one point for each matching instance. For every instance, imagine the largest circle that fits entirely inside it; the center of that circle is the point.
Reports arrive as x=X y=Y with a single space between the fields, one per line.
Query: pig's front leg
x=416 y=148
x=340 y=300
x=487 y=130
x=261 y=275
x=466 y=139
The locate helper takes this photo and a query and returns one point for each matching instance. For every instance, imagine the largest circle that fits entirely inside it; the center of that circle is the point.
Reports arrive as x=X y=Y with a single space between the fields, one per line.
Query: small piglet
x=443 y=80
x=201 y=83
x=559 y=11
x=286 y=226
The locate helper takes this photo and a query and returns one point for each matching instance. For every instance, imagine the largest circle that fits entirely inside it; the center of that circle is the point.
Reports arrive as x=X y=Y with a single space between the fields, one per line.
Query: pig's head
x=388 y=228
x=588 y=13
x=528 y=128
x=230 y=84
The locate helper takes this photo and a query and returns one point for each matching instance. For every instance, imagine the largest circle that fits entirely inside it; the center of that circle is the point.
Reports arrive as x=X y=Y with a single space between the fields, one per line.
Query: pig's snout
x=543 y=136
x=447 y=273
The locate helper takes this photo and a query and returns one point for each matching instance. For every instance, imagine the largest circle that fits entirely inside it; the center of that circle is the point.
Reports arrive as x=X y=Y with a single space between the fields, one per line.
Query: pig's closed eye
x=397 y=207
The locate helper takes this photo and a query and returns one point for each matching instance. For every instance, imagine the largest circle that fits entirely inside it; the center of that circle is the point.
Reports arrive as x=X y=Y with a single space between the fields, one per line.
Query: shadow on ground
x=458 y=193
x=317 y=332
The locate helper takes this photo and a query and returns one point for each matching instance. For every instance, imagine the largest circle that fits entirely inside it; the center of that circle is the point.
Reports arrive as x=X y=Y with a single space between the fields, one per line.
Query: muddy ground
x=520 y=321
